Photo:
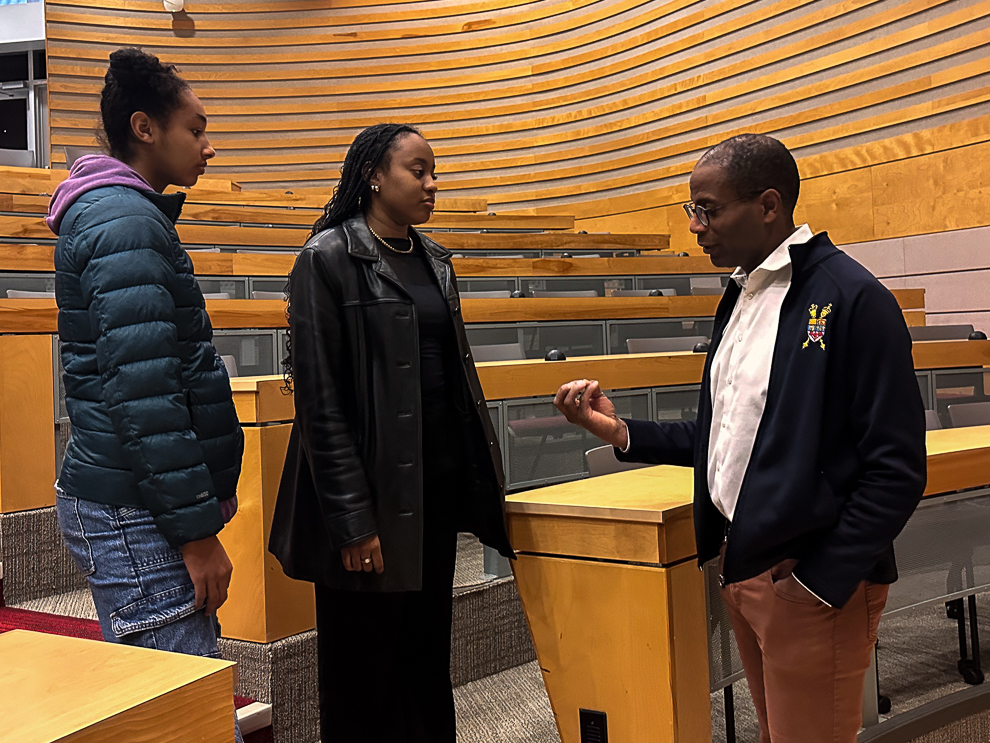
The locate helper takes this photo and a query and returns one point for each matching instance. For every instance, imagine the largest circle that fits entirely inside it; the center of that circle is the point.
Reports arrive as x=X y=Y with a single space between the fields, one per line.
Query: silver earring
x=375 y=188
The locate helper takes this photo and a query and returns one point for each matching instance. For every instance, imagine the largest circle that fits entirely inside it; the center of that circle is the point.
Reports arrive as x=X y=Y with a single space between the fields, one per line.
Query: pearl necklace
x=394 y=250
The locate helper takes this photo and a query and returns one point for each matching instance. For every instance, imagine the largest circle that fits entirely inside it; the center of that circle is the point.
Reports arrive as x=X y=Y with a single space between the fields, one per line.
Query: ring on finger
x=366 y=561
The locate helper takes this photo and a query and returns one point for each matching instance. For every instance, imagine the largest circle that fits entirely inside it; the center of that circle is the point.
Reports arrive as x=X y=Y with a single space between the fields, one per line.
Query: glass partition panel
x=495 y=412
x=492 y=253
x=541 y=447
x=675 y=403
x=274 y=284
x=596 y=253
x=501 y=284
x=234 y=287
x=536 y=339
x=601 y=284
x=252 y=351
x=283 y=349
x=26 y=282
x=956 y=387
x=925 y=385
x=620 y=331
x=681 y=283
x=942 y=553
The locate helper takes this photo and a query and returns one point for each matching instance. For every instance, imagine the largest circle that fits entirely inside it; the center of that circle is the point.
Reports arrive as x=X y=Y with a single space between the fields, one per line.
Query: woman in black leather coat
x=392 y=451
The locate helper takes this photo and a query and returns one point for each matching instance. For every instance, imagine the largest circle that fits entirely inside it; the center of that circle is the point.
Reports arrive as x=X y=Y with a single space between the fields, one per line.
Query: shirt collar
x=779 y=258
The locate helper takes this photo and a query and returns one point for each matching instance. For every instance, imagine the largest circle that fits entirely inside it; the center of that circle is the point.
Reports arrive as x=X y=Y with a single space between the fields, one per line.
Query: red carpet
x=87 y=629
x=50 y=624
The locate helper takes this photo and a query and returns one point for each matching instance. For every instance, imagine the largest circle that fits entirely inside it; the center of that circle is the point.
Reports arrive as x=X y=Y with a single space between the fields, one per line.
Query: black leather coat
x=354 y=462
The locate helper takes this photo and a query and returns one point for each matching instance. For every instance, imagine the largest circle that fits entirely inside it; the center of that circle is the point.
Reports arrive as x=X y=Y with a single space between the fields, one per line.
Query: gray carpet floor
x=918 y=654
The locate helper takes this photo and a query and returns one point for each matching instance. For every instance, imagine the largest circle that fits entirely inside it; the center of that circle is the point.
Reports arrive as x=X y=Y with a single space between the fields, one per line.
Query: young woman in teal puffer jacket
x=150 y=473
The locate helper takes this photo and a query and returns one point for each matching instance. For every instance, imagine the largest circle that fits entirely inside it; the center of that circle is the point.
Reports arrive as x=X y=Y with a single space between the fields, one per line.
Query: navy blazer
x=839 y=460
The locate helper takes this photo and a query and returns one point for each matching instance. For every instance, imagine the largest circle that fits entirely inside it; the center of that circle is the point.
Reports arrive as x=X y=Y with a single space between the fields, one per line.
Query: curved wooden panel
x=40 y=315
x=592 y=108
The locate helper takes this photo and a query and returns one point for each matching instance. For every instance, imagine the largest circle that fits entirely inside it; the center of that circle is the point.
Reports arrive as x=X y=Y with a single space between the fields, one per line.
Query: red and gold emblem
x=816 y=325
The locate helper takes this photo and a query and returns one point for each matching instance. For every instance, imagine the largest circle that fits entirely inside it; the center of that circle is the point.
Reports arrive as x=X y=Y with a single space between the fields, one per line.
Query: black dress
x=385 y=657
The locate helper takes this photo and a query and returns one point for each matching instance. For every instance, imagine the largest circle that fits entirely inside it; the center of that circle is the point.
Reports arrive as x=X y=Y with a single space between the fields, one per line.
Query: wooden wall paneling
x=822 y=135
x=543 y=69
x=27 y=423
x=285 y=15
x=29 y=317
x=843 y=202
x=586 y=308
x=809 y=93
x=458 y=36
x=463 y=241
x=27 y=257
x=787 y=29
x=968 y=133
x=638 y=266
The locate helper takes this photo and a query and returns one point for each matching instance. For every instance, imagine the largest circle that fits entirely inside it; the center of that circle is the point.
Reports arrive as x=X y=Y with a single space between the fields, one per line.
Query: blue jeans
x=142 y=590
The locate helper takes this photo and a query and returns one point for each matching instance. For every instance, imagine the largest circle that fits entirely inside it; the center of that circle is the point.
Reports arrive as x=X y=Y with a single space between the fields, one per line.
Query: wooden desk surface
x=650 y=494
x=52 y=687
x=958 y=458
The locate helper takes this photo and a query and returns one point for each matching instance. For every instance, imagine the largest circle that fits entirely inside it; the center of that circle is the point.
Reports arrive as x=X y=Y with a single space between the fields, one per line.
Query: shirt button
x=739 y=337
x=730 y=381
x=749 y=296
x=723 y=425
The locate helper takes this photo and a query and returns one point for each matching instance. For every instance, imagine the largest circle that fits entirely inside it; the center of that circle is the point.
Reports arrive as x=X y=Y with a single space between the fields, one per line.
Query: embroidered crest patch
x=816 y=325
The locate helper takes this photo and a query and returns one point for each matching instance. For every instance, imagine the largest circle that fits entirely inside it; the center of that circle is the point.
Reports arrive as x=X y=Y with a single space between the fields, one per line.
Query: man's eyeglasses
x=704 y=213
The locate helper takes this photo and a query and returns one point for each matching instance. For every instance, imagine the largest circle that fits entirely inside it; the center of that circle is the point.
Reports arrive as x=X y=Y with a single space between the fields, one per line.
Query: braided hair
x=136 y=81
x=371 y=149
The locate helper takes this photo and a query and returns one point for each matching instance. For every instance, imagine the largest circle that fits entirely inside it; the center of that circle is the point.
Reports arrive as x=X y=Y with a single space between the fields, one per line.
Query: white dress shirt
x=740 y=372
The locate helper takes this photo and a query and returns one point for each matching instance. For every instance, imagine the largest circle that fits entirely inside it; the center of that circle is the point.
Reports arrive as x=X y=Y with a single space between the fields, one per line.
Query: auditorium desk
x=62 y=688
x=264 y=605
x=616 y=603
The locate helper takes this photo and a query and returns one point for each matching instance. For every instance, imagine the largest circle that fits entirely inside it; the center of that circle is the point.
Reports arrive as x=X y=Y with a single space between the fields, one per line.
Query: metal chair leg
x=730 y=715
x=970 y=668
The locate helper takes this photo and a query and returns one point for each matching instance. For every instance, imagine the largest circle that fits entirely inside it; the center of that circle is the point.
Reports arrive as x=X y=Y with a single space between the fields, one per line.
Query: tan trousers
x=805 y=662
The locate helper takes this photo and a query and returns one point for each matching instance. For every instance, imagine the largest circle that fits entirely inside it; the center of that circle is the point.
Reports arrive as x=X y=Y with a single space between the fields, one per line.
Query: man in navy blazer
x=808 y=450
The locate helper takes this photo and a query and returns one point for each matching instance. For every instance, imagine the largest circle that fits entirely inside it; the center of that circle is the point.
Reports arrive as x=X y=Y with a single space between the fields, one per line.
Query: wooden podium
x=65 y=689
x=616 y=603
x=615 y=600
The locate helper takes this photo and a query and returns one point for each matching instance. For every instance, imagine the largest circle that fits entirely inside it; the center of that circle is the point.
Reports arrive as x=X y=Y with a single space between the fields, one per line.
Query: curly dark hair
x=371 y=149
x=136 y=81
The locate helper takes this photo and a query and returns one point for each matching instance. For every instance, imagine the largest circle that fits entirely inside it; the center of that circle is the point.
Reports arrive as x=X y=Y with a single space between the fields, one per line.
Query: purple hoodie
x=90 y=172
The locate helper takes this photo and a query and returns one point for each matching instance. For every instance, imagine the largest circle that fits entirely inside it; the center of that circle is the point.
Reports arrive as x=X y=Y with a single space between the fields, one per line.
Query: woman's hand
x=365 y=555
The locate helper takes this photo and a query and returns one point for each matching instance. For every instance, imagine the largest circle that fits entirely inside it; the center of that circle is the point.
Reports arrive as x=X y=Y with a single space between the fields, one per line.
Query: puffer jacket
x=153 y=421
x=353 y=467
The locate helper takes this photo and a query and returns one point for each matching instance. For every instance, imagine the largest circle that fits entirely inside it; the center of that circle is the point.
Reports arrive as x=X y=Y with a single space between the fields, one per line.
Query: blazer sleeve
x=887 y=427
x=128 y=282
x=660 y=443
x=317 y=348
